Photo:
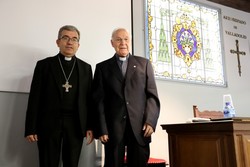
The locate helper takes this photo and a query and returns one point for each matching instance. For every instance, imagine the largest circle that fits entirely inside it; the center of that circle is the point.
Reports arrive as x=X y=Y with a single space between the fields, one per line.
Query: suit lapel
x=132 y=65
x=56 y=70
x=114 y=68
x=82 y=73
x=81 y=83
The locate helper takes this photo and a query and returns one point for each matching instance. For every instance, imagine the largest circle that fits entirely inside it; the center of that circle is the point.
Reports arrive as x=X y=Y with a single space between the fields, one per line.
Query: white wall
x=177 y=99
x=29 y=32
x=30 y=27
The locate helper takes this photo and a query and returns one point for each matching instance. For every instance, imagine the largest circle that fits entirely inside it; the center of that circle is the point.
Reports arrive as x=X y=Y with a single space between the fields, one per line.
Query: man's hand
x=32 y=138
x=148 y=130
x=89 y=136
x=104 y=138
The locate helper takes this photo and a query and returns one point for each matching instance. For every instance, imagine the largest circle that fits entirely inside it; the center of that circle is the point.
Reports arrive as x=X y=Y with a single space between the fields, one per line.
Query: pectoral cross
x=67 y=86
x=238 y=55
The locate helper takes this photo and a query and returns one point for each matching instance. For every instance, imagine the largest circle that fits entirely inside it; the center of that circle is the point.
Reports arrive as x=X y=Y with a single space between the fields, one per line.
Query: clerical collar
x=67 y=58
x=64 y=58
x=122 y=58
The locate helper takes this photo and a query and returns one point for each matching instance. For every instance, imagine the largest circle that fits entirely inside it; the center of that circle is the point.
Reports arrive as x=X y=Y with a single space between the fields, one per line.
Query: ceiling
x=243 y=5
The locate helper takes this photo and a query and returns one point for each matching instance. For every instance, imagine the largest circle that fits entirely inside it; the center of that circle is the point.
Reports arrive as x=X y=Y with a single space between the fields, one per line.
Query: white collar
x=67 y=58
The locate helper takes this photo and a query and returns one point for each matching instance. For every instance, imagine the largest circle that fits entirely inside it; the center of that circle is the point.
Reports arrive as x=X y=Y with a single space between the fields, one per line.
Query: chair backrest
x=207 y=113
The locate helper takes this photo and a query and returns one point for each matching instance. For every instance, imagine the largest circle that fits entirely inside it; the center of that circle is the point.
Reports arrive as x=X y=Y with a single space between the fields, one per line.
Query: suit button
x=127 y=102
x=125 y=116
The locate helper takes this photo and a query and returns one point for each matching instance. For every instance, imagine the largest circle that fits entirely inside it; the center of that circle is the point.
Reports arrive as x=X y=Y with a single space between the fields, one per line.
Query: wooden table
x=220 y=143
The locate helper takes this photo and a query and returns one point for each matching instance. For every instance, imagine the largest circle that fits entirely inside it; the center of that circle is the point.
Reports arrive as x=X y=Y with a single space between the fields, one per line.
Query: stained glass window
x=183 y=41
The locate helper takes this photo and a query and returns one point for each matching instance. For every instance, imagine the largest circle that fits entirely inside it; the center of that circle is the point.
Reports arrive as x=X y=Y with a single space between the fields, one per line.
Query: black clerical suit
x=123 y=104
x=56 y=115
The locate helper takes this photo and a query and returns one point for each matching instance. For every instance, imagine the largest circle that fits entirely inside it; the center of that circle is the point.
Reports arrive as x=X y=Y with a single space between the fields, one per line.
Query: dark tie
x=123 y=67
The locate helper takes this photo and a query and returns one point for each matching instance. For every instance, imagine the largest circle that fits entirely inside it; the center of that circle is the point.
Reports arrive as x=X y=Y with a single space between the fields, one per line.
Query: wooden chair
x=207 y=113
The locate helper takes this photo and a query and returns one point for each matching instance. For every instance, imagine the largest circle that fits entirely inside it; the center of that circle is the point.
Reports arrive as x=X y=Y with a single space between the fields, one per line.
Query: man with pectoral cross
x=59 y=112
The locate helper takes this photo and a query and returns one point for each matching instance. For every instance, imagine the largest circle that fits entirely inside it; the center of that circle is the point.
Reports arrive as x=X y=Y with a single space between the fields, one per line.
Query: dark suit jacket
x=43 y=112
x=116 y=98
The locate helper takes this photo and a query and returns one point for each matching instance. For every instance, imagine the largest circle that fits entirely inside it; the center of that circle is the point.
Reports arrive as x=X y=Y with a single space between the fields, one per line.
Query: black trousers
x=137 y=155
x=66 y=142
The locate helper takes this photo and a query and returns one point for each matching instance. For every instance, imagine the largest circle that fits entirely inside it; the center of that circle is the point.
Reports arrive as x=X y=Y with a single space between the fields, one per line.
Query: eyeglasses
x=67 y=39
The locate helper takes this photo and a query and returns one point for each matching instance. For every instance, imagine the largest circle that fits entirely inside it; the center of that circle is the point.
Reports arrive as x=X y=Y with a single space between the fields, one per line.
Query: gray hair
x=68 y=28
x=119 y=29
